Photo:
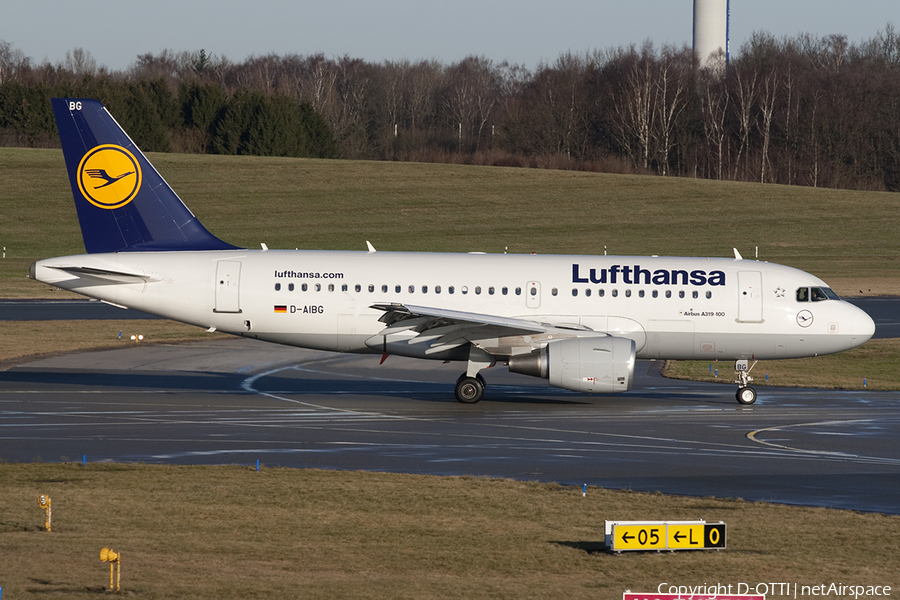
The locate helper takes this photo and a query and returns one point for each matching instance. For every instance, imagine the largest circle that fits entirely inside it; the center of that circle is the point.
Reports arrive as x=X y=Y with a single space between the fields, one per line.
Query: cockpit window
x=816 y=294
x=824 y=294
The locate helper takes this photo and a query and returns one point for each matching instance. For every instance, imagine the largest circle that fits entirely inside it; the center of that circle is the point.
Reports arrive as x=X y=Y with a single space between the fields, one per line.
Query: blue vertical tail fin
x=123 y=203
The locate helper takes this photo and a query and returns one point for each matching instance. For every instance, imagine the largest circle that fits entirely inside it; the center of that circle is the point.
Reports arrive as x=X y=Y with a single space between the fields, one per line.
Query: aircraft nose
x=862 y=327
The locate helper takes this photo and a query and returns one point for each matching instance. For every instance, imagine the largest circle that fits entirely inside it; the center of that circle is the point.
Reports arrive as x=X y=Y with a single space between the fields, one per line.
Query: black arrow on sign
x=678 y=536
x=626 y=537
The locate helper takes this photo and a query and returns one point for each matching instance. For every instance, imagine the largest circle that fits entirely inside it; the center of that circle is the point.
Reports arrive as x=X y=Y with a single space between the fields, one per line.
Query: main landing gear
x=469 y=390
x=745 y=395
x=470 y=385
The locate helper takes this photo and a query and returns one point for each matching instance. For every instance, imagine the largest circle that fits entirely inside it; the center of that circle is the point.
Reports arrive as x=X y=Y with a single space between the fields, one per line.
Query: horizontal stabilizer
x=104 y=274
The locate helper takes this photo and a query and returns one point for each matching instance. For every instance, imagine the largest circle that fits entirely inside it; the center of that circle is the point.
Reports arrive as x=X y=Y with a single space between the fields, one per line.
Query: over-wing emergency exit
x=579 y=321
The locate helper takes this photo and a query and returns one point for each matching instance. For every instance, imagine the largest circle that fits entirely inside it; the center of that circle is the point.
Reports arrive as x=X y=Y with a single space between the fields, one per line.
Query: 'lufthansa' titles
x=635 y=275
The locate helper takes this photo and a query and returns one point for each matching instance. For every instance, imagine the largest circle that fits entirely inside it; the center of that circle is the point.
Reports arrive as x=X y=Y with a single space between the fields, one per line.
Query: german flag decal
x=280 y=308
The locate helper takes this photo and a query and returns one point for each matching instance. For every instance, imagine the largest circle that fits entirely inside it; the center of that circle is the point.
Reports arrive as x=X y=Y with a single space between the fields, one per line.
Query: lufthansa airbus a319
x=579 y=321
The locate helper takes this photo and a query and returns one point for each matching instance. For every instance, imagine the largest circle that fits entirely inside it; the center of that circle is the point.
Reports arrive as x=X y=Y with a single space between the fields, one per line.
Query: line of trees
x=806 y=110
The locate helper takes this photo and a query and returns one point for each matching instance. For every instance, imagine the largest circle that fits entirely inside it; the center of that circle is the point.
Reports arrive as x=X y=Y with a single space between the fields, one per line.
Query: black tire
x=745 y=396
x=469 y=390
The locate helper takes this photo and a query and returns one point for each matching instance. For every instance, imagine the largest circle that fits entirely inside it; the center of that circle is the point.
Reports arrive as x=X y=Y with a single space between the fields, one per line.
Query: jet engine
x=582 y=364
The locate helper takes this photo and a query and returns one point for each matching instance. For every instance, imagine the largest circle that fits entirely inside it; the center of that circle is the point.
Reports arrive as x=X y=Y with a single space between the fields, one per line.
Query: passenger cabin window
x=277 y=287
x=290 y=287
x=384 y=289
x=371 y=288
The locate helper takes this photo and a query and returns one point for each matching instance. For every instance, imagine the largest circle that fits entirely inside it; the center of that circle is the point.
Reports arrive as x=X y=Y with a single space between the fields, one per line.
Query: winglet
x=371 y=247
x=123 y=203
x=737 y=255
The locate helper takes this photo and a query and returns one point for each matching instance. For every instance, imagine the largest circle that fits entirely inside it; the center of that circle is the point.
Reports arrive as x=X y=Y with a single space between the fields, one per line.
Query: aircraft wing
x=398 y=313
x=444 y=329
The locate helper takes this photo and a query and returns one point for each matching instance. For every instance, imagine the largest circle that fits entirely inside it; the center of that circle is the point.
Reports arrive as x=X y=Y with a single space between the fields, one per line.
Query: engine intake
x=591 y=364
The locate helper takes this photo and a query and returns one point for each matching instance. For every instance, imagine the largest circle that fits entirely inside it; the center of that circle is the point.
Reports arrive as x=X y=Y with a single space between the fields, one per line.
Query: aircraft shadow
x=46 y=379
x=588 y=547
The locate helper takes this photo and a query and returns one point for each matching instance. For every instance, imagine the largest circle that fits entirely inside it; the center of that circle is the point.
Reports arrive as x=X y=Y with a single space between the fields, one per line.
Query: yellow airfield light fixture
x=44 y=503
x=113 y=558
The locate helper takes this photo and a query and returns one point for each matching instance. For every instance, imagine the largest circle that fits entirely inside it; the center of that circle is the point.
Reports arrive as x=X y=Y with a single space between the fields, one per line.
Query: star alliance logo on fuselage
x=109 y=176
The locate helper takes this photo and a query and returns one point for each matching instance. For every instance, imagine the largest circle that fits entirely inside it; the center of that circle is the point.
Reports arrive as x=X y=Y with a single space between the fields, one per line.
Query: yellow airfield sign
x=664 y=535
x=645 y=536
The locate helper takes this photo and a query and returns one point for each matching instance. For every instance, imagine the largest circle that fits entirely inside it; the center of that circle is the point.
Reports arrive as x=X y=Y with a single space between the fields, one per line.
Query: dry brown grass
x=23 y=340
x=230 y=532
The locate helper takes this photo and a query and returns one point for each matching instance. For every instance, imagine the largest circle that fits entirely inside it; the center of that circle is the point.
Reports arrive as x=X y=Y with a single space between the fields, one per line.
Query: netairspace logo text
x=789 y=590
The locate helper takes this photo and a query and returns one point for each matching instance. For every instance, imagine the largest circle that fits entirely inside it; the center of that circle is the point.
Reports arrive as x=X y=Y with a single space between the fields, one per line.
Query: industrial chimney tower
x=711 y=31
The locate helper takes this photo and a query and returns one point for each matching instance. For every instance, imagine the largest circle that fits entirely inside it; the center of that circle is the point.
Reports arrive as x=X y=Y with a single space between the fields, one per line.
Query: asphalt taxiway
x=236 y=401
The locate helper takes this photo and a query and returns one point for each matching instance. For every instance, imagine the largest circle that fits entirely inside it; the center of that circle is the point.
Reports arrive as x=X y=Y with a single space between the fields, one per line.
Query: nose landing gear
x=746 y=395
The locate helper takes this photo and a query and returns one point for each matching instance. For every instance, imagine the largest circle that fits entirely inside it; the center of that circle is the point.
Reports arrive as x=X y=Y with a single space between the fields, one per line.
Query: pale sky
x=522 y=31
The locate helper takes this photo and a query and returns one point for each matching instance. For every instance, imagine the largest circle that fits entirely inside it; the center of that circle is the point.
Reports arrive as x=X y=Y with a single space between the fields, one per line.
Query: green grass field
x=848 y=238
x=230 y=532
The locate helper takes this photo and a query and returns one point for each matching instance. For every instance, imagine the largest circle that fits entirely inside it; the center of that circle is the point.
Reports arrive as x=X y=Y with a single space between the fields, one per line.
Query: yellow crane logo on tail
x=109 y=176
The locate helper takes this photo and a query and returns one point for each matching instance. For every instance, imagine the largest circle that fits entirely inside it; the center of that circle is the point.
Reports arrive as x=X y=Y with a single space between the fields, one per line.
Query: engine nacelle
x=582 y=364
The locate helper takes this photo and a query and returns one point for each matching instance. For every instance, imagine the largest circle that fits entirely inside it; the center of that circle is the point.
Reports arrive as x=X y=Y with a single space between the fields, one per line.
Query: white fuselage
x=673 y=308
